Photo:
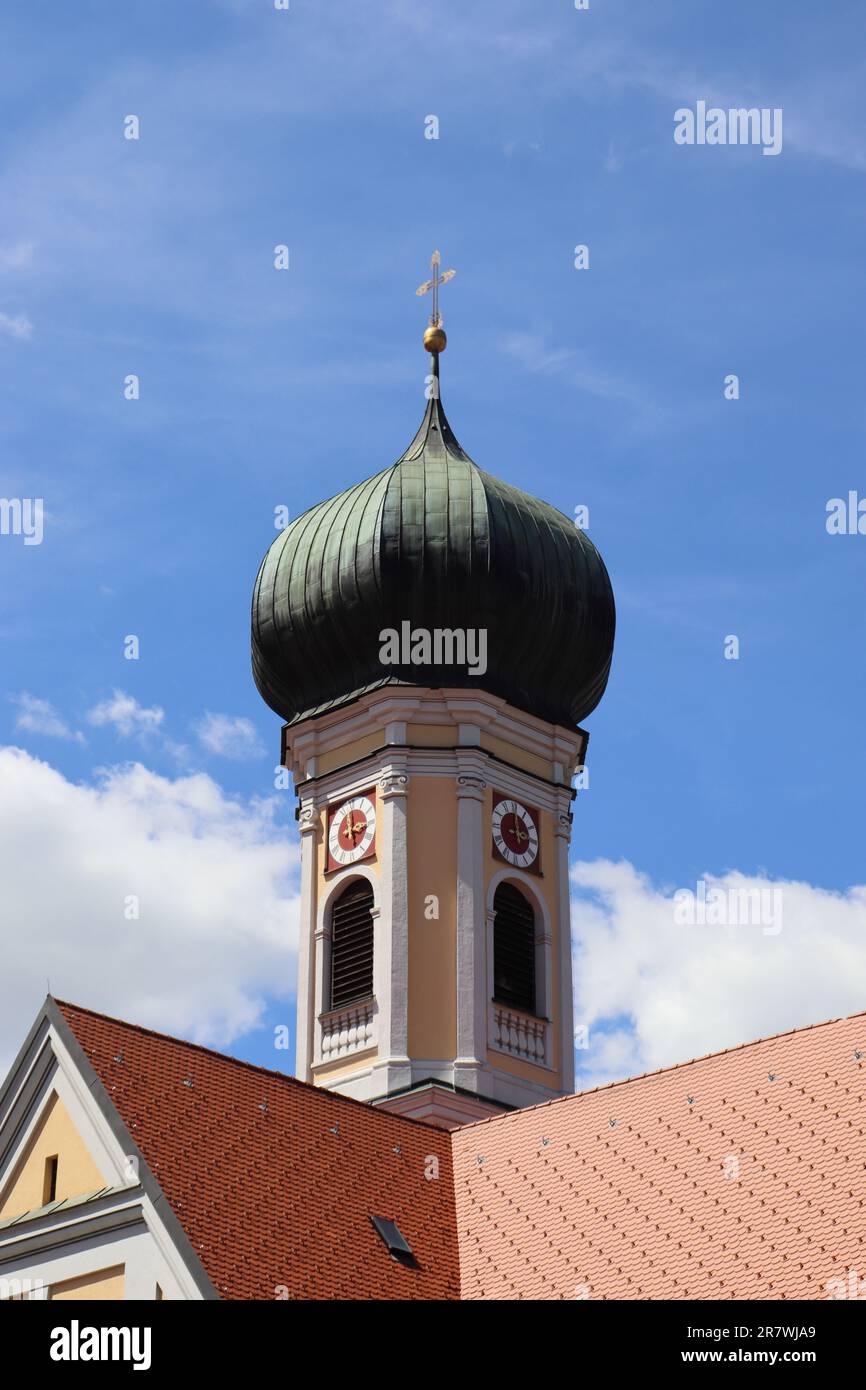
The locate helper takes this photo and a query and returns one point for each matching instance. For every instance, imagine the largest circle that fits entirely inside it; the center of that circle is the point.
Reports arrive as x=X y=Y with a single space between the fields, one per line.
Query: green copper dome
x=433 y=545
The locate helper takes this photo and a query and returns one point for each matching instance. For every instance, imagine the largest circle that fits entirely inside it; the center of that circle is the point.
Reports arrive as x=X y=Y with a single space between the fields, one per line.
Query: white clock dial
x=353 y=826
x=514 y=833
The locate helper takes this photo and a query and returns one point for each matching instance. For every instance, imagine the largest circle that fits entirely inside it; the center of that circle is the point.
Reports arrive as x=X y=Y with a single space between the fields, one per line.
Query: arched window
x=352 y=944
x=513 y=949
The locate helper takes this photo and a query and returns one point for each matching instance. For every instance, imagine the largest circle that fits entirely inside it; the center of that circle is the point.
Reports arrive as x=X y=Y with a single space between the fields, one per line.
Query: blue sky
x=601 y=387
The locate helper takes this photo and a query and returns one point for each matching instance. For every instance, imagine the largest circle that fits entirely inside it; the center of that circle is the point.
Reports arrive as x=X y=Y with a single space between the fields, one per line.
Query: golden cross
x=435 y=262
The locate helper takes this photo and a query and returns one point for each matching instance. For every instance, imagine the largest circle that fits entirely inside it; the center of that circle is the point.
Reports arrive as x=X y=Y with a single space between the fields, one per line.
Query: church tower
x=432 y=638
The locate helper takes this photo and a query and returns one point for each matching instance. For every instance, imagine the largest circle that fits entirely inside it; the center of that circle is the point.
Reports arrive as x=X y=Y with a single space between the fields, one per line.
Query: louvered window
x=352 y=945
x=513 y=949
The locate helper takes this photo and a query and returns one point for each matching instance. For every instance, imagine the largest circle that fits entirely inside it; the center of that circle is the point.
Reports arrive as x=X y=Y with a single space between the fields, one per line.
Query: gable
x=55 y=1136
x=108 y=1230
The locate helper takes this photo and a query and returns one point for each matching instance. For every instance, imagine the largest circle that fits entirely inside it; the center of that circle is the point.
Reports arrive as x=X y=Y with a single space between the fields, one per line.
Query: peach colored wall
x=518 y=757
x=332 y=1071
x=432 y=857
x=349 y=752
x=432 y=735
x=76 y=1171
x=103 y=1284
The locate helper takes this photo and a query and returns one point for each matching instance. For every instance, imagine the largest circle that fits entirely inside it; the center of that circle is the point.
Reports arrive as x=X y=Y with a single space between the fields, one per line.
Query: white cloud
x=126 y=716
x=215 y=878
x=654 y=993
x=18 y=327
x=37 y=716
x=229 y=736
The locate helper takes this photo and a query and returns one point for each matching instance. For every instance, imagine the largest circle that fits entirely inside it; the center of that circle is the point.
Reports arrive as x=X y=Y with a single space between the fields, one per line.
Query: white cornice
x=452 y=709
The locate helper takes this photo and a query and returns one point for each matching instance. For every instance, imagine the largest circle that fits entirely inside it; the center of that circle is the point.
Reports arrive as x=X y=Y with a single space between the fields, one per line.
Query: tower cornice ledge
x=313 y=748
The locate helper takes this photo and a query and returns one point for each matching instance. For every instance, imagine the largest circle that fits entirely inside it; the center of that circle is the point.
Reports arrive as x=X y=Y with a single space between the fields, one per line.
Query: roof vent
x=398 y=1247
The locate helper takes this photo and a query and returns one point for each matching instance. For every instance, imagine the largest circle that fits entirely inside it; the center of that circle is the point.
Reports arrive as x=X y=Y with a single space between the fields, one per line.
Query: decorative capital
x=468 y=784
x=308 y=819
x=562 y=828
x=393 y=784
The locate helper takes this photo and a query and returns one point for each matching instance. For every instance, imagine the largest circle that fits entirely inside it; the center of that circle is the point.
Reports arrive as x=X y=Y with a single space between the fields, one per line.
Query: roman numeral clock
x=514 y=828
x=352 y=831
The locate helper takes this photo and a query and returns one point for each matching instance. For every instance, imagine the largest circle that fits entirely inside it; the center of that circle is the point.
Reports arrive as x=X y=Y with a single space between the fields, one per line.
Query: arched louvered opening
x=513 y=949
x=352 y=945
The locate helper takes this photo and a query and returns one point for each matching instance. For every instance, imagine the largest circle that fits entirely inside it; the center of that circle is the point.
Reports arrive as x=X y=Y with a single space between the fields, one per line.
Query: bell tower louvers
x=432 y=638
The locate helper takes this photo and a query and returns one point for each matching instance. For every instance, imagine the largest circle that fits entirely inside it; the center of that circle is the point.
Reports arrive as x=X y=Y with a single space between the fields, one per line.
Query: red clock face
x=352 y=831
x=515 y=833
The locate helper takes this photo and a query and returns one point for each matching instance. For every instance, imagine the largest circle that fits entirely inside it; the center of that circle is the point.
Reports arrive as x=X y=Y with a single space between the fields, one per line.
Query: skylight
x=398 y=1246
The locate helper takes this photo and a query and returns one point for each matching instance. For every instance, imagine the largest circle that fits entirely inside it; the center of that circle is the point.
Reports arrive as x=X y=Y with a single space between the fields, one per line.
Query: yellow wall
x=331 y=1071
x=432 y=857
x=431 y=735
x=350 y=752
x=76 y=1171
x=103 y=1283
x=518 y=757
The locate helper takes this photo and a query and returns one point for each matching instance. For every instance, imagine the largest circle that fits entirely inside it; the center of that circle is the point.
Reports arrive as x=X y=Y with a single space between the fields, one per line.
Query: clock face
x=351 y=831
x=515 y=832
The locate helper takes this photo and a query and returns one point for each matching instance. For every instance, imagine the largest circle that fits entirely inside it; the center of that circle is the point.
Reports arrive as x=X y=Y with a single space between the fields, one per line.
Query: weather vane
x=434 y=336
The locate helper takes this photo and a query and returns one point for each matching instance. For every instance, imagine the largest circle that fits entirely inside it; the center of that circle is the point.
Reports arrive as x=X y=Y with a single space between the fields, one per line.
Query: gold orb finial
x=434 y=338
x=434 y=335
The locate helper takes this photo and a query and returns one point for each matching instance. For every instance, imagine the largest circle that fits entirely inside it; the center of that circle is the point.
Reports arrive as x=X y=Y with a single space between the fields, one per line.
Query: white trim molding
x=391 y=968
x=562 y=832
x=310 y=831
x=519 y=1034
x=469 y=964
x=348 y=1030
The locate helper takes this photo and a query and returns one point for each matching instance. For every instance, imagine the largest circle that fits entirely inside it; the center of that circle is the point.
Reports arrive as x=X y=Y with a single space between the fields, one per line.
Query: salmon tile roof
x=275 y=1181
x=736 y=1176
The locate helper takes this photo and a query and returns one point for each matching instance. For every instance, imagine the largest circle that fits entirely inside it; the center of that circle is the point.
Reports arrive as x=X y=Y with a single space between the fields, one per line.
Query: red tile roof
x=282 y=1195
x=741 y=1175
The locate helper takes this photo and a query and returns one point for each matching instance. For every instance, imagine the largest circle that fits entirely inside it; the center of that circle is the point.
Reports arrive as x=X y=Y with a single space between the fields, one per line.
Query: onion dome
x=433 y=545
